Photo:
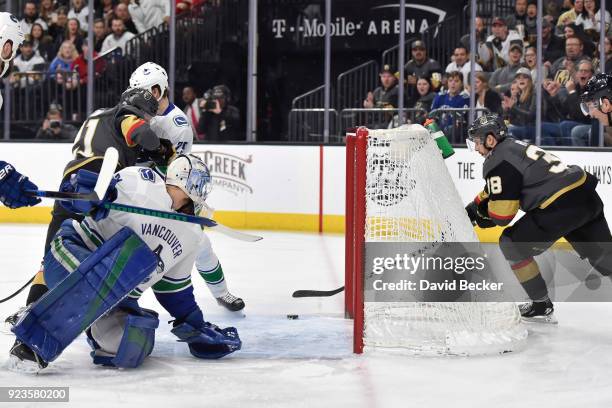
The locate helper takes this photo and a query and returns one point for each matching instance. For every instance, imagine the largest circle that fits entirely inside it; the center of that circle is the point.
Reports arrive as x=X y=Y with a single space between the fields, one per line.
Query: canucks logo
x=147 y=174
x=180 y=121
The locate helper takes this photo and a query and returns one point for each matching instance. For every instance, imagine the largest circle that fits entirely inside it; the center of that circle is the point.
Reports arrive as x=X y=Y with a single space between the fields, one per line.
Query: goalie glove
x=206 y=340
x=479 y=215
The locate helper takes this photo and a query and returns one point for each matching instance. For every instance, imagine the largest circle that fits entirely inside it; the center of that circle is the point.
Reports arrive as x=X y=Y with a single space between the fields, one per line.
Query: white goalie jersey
x=176 y=243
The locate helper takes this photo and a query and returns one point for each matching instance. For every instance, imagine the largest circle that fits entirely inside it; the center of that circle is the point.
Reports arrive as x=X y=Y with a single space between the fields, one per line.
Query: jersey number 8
x=494 y=185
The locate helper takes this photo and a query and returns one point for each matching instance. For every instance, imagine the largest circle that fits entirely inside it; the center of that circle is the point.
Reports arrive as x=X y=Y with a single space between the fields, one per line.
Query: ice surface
x=308 y=362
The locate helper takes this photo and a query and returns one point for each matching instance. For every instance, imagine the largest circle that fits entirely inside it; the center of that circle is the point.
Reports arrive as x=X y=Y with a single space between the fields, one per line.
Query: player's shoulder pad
x=136 y=172
x=180 y=121
x=508 y=150
x=147 y=174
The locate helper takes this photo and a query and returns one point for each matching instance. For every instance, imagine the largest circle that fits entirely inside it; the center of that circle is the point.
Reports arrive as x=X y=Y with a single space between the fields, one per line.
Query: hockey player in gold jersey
x=558 y=200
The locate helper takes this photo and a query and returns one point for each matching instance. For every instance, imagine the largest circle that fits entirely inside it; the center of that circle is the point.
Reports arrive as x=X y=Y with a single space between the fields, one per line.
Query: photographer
x=219 y=121
x=54 y=129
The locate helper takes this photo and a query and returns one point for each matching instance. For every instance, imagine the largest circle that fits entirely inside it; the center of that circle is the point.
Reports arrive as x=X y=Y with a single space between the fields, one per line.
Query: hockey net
x=399 y=190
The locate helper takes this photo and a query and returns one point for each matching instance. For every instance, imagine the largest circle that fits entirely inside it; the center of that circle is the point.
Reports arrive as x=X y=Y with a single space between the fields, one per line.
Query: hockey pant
x=578 y=217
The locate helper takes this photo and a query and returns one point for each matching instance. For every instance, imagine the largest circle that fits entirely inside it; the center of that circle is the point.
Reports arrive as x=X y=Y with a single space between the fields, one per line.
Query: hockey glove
x=477 y=216
x=206 y=340
x=13 y=186
x=163 y=155
x=84 y=182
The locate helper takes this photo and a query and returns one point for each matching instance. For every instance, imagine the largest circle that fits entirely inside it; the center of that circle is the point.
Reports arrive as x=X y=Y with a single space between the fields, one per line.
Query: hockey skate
x=11 y=320
x=24 y=360
x=538 y=312
x=231 y=302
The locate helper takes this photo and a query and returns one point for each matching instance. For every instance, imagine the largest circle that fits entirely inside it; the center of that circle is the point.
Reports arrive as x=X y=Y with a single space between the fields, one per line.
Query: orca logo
x=12 y=17
x=147 y=175
x=390 y=183
x=146 y=71
x=180 y=121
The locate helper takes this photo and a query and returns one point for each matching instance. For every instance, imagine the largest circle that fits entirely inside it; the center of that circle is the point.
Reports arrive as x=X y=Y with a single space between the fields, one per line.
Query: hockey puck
x=592 y=282
x=292 y=317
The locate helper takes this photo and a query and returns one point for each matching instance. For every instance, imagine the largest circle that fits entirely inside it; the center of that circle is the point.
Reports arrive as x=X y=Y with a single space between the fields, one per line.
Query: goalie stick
x=316 y=293
x=107 y=171
x=104 y=178
x=194 y=219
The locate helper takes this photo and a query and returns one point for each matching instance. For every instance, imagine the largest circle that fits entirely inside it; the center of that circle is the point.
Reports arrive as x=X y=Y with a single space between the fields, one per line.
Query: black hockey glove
x=163 y=155
x=478 y=214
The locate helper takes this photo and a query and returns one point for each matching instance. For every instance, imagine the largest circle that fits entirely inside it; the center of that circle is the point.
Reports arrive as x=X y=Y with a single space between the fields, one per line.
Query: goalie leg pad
x=123 y=339
x=66 y=252
x=97 y=284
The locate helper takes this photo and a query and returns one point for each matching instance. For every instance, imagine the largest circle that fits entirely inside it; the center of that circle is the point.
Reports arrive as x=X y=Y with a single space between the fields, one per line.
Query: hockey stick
x=206 y=222
x=316 y=293
x=104 y=178
x=18 y=290
x=107 y=171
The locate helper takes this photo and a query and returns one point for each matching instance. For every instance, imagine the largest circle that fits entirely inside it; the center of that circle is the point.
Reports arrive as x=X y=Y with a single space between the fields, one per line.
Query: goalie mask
x=10 y=30
x=149 y=75
x=598 y=88
x=483 y=126
x=191 y=175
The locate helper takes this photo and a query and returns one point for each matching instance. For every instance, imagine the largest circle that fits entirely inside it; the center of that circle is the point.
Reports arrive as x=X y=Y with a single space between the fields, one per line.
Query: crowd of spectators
x=52 y=62
x=506 y=73
x=48 y=24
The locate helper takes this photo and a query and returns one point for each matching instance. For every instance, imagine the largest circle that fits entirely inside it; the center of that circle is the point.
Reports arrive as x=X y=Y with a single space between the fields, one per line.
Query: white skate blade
x=17 y=365
x=5 y=328
x=550 y=319
x=233 y=315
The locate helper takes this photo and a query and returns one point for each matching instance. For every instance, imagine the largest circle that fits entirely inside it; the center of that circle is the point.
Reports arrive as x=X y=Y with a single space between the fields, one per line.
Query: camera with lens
x=209 y=101
x=55 y=124
x=219 y=93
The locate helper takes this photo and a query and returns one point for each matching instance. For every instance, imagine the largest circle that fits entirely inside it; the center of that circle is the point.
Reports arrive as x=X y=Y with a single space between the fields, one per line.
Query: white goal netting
x=410 y=196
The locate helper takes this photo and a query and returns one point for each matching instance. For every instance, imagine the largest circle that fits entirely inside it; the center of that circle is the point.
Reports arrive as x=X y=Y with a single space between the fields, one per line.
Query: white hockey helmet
x=10 y=30
x=191 y=175
x=149 y=75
